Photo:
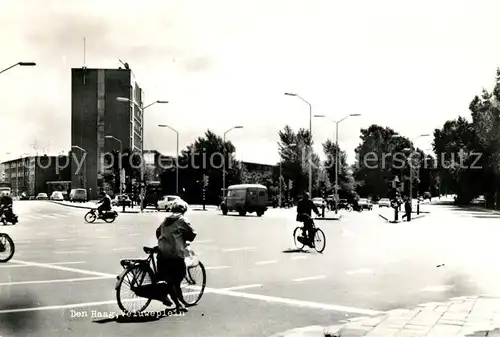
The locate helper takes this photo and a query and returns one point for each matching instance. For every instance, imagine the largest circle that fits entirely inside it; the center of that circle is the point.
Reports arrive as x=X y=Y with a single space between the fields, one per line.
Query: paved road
x=64 y=266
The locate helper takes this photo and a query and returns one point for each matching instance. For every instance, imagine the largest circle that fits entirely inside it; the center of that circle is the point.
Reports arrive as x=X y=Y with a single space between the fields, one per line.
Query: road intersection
x=64 y=270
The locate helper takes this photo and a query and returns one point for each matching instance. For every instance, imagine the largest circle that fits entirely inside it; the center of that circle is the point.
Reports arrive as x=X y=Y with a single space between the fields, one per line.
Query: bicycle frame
x=149 y=262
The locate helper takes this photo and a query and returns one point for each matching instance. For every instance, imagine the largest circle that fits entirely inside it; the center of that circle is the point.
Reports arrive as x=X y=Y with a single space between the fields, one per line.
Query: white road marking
x=203 y=241
x=57 y=281
x=266 y=262
x=22 y=242
x=359 y=271
x=61 y=215
x=69 y=239
x=309 y=278
x=264 y=298
x=437 y=289
x=104 y=237
x=74 y=270
x=49 y=216
x=69 y=252
x=299 y=257
x=292 y=302
x=248 y=286
x=52 y=264
x=237 y=249
x=218 y=267
x=124 y=248
x=134 y=234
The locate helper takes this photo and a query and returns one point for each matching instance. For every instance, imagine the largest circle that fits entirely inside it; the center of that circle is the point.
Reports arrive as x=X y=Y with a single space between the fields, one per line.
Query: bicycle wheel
x=319 y=240
x=90 y=217
x=110 y=219
x=7 y=247
x=193 y=284
x=296 y=233
x=133 y=277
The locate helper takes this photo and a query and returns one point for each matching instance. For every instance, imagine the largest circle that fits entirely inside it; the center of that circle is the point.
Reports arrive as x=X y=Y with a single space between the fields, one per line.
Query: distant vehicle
x=42 y=196
x=56 y=195
x=24 y=196
x=364 y=203
x=384 y=202
x=120 y=200
x=166 y=202
x=427 y=195
x=245 y=198
x=78 y=194
x=319 y=202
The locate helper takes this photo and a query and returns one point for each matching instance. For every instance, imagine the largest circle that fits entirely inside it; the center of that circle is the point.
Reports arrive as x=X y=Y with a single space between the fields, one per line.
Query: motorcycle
x=93 y=215
x=7 y=216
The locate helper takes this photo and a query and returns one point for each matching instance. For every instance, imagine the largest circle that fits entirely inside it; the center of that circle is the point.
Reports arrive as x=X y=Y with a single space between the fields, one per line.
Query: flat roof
x=233 y=187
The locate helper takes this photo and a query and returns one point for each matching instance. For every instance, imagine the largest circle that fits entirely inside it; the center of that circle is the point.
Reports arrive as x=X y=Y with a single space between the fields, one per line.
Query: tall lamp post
x=409 y=160
x=127 y=100
x=281 y=177
x=224 y=160
x=337 y=157
x=310 y=134
x=176 y=154
x=22 y=64
x=85 y=165
x=17 y=173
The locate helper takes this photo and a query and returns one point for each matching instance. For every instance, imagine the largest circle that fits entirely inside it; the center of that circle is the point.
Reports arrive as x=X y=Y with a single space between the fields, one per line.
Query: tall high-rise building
x=95 y=114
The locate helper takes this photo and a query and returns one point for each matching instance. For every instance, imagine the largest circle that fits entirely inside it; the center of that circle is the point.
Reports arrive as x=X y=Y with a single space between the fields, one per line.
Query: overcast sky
x=410 y=65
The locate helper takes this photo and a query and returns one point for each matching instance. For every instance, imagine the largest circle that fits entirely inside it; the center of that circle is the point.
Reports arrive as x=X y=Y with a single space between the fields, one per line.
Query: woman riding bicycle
x=173 y=235
x=304 y=208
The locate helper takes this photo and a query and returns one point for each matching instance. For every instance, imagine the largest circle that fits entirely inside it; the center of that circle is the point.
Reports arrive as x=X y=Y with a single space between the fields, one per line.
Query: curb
x=86 y=207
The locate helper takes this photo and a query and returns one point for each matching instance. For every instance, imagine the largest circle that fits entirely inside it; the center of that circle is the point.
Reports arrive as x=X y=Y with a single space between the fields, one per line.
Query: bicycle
x=6 y=246
x=108 y=216
x=144 y=275
x=319 y=237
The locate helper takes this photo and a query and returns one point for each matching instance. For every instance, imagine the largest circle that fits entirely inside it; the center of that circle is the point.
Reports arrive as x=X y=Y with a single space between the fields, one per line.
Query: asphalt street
x=61 y=279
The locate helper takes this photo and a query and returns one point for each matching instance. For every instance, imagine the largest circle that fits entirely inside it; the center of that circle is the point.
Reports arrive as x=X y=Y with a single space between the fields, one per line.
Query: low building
x=31 y=174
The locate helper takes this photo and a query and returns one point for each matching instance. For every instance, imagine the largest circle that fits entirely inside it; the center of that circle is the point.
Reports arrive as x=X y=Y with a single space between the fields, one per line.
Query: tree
x=346 y=186
x=294 y=150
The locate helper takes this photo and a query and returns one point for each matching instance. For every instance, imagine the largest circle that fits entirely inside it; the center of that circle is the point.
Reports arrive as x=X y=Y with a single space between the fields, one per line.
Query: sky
x=409 y=65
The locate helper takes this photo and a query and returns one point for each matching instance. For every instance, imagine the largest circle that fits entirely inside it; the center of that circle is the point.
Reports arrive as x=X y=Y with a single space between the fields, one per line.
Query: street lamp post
x=127 y=100
x=177 y=156
x=224 y=160
x=85 y=165
x=17 y=173
x=281 y=178
x=120 y=167
x=22 y=64
x=337 y=157
x=310 y=143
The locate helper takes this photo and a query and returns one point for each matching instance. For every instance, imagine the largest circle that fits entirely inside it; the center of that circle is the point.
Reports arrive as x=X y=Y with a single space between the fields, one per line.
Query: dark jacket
x=172 y=235
x=306 y=207
x=106 y=202
x=6 y=200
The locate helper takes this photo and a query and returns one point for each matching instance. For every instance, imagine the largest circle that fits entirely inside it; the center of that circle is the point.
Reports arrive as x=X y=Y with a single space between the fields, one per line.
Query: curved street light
x=21 y=64
x=224 y=159
x=177 y=156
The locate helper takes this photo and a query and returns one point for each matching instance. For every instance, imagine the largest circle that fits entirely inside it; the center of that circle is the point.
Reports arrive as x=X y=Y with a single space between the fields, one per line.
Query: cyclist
x=173 y=236
x=6 y=204
x=304 y=208
x=105 y=203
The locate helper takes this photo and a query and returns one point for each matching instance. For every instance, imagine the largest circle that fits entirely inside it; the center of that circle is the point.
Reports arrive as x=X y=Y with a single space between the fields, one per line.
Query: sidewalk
x=468 y=316
x=92 y=204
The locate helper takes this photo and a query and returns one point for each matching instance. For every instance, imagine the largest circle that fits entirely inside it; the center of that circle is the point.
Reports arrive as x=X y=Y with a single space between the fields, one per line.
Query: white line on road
x=22 y=242
x=437 y=289
x=359 y=271
x=68 y=239
x=62 y=215
x=124 y=248
x=74 y=270
x=134 y=234
x=237 y=249
x=203 y=241
x=49 y=216
x=57 y=281
x=218 y=267
x=309 y=278
x=104 y=237
x=266 y=262
x=299 y=257
x=69 y=252
x=52 y=264
x=248 y=286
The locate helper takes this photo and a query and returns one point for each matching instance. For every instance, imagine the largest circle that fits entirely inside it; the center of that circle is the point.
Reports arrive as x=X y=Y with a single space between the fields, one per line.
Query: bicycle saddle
x=149 y=250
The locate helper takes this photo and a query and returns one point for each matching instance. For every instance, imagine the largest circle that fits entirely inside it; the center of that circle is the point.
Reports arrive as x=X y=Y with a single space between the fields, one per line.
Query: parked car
x=384 y=202
x=78 y=194
x=42 y=196
x=24 y=196
x=364 y=203
x=56 y=195
x=319 y=202
x=166 y=202
x=120 y=200
x=427 y=195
